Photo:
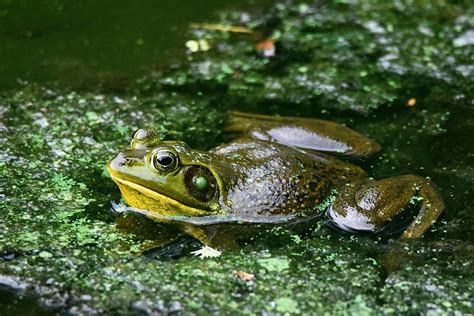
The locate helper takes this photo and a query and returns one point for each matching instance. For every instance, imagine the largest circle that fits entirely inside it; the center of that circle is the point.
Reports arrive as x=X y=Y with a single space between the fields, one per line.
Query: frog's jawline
x=156 y=196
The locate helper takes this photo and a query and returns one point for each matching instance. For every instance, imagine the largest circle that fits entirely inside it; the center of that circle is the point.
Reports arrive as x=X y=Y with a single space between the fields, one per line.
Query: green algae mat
x=401 y=73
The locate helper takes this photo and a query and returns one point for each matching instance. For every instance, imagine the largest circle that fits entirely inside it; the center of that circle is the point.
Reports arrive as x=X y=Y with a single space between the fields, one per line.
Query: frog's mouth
x=141 y=197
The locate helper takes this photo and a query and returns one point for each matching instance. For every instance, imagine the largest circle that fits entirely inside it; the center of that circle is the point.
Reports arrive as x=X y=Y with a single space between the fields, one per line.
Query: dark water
x=12 y=304
x=82 y=43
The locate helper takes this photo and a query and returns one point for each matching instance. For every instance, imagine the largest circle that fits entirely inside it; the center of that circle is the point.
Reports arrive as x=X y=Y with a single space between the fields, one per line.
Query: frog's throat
x=141 y=197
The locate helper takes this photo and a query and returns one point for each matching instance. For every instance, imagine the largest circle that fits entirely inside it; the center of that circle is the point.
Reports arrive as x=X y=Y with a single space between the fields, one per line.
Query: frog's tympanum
x=279 y=170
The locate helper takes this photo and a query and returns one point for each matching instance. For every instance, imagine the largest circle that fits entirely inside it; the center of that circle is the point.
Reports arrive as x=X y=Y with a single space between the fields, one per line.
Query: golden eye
x=164 y=160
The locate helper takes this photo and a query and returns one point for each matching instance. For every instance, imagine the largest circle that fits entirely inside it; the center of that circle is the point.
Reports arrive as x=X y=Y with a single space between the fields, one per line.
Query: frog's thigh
x=372 y=205
x=320 y=135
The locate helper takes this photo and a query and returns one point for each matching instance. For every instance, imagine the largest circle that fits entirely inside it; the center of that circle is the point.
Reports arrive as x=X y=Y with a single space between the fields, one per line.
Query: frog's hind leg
x=305 y=133
x=375 y=206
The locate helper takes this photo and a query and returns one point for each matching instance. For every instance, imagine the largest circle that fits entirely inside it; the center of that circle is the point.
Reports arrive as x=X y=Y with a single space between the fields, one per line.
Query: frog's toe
x=207 y=252
x=431 y=206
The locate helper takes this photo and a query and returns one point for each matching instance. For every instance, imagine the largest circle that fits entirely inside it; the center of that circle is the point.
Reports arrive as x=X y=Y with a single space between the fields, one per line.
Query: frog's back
x=273 y=179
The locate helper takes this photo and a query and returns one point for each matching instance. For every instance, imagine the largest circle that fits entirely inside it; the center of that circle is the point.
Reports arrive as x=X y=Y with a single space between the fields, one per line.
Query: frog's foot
x=207 y=252
x=373 y=206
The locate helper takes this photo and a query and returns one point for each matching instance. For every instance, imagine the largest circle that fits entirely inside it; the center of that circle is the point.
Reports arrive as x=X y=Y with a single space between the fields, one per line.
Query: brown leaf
x=411 y=102
x=267 y=47
x=244 y=276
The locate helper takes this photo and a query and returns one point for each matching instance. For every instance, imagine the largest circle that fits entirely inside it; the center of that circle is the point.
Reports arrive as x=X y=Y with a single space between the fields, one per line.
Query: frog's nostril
x=119 y=161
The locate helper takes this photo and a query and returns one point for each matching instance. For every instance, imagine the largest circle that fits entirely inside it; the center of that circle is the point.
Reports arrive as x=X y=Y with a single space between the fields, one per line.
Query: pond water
x=78 y=78
x=81 y=44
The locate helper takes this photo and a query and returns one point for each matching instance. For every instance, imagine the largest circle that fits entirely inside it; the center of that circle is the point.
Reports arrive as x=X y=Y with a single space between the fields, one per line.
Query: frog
x=274 y=170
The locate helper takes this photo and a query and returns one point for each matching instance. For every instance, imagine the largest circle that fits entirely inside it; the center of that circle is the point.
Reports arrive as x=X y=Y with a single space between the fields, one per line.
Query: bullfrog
x=276 y=170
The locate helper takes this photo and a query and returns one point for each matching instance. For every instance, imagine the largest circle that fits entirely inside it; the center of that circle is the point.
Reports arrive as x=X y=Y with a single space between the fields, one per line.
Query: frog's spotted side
x=276 y=171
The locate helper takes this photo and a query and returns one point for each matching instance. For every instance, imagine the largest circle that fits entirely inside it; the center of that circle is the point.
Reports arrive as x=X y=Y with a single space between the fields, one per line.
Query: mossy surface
x=355 y=63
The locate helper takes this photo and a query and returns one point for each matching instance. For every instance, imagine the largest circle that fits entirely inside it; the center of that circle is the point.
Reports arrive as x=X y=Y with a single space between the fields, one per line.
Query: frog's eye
x=144 y=138
x=164 y=160
x=142 y=133
x=200 y=183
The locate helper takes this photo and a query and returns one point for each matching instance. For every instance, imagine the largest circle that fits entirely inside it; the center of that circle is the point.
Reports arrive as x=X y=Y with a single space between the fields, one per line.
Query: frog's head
x=167 y=177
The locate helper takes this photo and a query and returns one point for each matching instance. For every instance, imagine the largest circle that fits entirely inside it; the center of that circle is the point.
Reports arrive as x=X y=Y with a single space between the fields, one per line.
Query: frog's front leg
x=212 y=236
x=372 y=205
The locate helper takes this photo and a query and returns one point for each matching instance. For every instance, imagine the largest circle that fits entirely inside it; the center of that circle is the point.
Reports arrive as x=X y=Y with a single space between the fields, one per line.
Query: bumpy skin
x=278 y=170
x=267 y=178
